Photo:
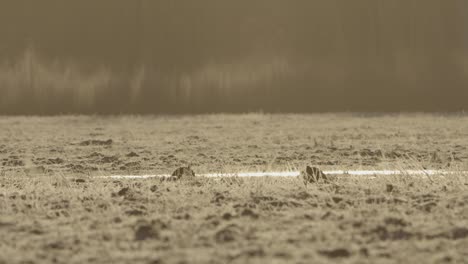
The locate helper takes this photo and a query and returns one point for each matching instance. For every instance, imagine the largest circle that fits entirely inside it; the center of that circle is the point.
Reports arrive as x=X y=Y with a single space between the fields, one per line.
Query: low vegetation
x=53 y=209
x=262 y=220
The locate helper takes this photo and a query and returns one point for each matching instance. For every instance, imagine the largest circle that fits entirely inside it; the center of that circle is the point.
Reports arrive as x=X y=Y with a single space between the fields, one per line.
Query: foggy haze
x=147 y=56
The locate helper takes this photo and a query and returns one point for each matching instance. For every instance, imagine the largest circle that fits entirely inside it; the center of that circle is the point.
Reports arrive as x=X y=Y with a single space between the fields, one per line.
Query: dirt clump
x=129 y=194
x=54 y=161
x=13 y=161
x=132 y=155
x=335 y=253
x=146 y=231
x=228 y=233
x=96 y=142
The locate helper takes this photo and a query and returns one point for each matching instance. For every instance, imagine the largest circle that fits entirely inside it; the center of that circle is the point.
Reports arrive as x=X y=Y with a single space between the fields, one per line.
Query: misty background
x=156 y=56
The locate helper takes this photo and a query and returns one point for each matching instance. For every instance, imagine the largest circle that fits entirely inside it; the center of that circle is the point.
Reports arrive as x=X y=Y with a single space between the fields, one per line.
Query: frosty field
x=54 y=210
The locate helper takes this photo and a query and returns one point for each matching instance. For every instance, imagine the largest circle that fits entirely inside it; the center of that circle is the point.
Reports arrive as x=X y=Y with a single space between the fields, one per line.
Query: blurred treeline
x=162 y=56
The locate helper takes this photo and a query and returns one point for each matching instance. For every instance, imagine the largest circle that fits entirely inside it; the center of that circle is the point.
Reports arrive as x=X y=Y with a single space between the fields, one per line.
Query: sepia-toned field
x=52 y=209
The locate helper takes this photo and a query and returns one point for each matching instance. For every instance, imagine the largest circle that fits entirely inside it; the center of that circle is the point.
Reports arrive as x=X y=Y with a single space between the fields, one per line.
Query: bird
x=313 y=175
x=185 y=172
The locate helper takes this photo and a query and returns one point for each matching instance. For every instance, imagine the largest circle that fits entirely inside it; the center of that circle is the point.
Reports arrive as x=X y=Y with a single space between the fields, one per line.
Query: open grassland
x=53 y=211
x=216 y=143
x=266 y=220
